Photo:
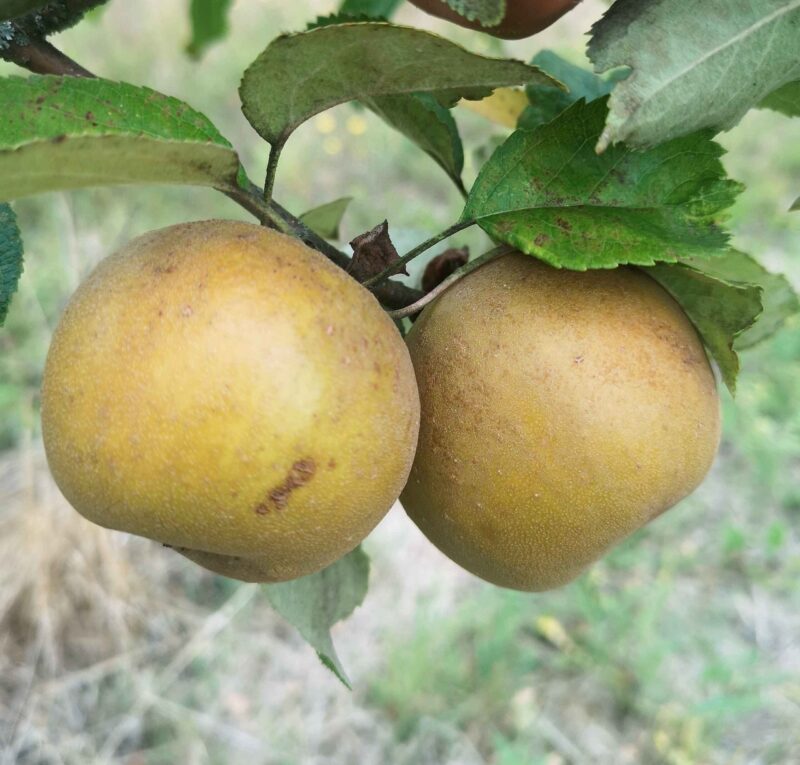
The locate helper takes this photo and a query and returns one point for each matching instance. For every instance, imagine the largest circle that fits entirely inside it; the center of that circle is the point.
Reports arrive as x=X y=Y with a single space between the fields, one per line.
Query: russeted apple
x=561 y=411
x=227 y=391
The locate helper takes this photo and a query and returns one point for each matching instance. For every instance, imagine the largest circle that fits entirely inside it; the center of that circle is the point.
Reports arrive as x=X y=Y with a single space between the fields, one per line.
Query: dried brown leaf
x=442 y=266
x=373 y=252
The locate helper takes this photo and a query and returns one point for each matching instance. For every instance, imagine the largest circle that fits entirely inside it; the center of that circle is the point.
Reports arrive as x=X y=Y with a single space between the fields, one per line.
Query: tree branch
x=40 y=57
x=81 y=6
x=24 y=39
x=394 y=295
x=391 y=294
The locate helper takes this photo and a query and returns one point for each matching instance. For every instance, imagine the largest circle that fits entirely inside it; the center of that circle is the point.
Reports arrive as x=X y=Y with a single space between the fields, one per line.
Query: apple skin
x=561 y=411
x=523 y=17
x=227 y=391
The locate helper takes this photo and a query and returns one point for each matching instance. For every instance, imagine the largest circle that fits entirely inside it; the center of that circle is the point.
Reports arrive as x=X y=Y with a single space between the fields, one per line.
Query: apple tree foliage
x=598 y=169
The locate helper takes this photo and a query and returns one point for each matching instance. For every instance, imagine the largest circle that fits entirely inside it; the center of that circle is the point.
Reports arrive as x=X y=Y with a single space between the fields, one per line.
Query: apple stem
x=417 y=306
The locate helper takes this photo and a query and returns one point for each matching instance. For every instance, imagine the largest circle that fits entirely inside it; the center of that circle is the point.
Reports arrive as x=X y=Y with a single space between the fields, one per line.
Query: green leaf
x=695 y=65
x=382 y=9
x=785 y=100
x=720 y=310
x=488 y=13
x=779 y=299
x=300 y=75
x=209 y=22
x=315 y=603
x=326 y=219
x=10 y=9
x=548 y=194
x=796 y=205
x=10 y=258
x=70 y=132
x=422 y=119
x=548 y=101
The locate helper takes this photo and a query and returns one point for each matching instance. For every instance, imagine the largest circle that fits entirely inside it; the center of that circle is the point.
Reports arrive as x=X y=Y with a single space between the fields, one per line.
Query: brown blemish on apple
x=299 y=475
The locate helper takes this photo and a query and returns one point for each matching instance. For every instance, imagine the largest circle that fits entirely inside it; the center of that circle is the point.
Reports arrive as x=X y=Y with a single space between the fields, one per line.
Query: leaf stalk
x=458 y=274
x=418 y=250
x=272 y=168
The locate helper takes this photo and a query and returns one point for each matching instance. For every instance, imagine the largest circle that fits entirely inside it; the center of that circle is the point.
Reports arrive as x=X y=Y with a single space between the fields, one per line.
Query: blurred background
x=681 y=647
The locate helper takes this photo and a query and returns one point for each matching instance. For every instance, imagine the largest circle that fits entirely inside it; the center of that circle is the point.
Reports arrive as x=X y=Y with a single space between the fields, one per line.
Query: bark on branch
x=40 y=57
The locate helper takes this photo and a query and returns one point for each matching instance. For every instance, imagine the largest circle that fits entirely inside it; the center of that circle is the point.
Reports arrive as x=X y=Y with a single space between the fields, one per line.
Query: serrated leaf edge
x=283 y=137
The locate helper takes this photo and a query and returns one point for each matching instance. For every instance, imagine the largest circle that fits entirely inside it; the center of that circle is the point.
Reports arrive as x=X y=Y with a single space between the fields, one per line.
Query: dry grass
x=72 y=603
x=115 y=650
x=110 y=642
